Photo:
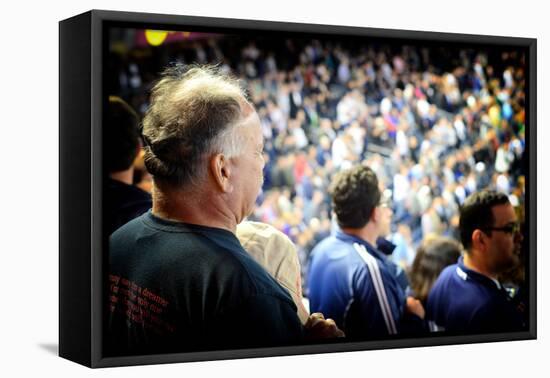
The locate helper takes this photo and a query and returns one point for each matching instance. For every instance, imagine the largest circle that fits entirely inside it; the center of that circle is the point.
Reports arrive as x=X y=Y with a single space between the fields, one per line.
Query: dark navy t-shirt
x=177 y=287
x=465 y=301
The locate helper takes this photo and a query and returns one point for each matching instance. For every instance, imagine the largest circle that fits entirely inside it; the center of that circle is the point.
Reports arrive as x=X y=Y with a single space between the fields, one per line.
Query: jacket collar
x=354 y=239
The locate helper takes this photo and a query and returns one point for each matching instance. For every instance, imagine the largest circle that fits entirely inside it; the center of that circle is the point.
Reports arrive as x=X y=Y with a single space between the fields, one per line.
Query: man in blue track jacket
x=350 y=280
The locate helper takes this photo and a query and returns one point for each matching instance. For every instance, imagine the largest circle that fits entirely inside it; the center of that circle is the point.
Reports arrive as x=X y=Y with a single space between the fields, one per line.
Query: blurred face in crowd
x=504 y=244
x=247 y=175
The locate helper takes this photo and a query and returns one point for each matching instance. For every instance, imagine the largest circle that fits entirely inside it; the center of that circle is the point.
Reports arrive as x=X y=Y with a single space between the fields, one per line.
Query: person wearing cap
x=468 y=297
x=349 y=279
x=179 y=280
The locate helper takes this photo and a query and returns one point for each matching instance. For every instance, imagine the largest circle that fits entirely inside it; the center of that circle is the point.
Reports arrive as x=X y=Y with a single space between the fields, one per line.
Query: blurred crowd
x=435 y=124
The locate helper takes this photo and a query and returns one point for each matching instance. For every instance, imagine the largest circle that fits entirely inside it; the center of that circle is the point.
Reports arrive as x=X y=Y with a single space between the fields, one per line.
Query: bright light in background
x=155 y=37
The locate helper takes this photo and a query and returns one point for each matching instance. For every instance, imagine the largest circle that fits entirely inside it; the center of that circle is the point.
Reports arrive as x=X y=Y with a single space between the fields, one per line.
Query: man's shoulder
x=445 y=286
x=238 y=266
x=449 y=273
x=128 y=230
x=450 y=281
x=212 y=254
x=331 y=245
x=455 y=288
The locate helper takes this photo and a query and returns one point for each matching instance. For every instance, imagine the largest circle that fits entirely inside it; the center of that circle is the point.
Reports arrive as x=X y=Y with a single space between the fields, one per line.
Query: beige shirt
x=276 y=253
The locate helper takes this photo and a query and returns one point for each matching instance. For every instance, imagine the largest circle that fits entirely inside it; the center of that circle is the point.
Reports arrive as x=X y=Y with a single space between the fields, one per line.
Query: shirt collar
x=465 y=273
x=355 y=239
x=218 y=235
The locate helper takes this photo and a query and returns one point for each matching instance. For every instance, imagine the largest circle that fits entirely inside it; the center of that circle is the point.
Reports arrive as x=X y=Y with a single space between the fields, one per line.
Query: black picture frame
x=81 y=248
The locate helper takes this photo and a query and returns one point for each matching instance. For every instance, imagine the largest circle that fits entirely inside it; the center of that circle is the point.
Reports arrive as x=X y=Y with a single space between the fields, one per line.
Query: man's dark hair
x=355 y=194
x=120 y=135
x=477 y=213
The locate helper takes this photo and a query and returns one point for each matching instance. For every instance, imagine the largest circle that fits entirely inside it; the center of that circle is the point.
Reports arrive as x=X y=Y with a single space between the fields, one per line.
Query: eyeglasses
x=511 y=229
x=385 y=202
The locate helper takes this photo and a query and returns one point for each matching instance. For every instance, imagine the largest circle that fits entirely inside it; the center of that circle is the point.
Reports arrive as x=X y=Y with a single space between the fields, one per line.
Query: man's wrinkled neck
x=193 y=206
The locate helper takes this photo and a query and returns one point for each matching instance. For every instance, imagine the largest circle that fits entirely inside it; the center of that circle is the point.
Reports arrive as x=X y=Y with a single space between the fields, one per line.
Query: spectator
x=439 y=118
x=123 y=200
x=349 y=279
x=467 y=296
x=434 y=254
x=204 y=150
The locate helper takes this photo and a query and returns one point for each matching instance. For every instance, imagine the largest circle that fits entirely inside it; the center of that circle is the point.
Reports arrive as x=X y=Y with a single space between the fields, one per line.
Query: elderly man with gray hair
x=179 y=279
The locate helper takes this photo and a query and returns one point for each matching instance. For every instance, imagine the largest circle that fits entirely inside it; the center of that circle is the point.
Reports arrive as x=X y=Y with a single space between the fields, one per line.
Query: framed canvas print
x=234 y=188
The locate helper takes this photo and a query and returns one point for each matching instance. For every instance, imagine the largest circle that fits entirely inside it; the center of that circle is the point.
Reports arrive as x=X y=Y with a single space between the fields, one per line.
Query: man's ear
x=374 y=215
x=139 y=147
x=220 y=168
x=479 y=239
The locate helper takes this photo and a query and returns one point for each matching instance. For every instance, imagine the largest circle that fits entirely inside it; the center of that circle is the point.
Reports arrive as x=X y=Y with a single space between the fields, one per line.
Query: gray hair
x=194 y=112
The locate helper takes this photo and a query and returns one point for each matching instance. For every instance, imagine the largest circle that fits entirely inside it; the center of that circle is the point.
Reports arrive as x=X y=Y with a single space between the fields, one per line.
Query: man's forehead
x=247 y=108
x=252 y=128
x=251 y=118
x=504 y=214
